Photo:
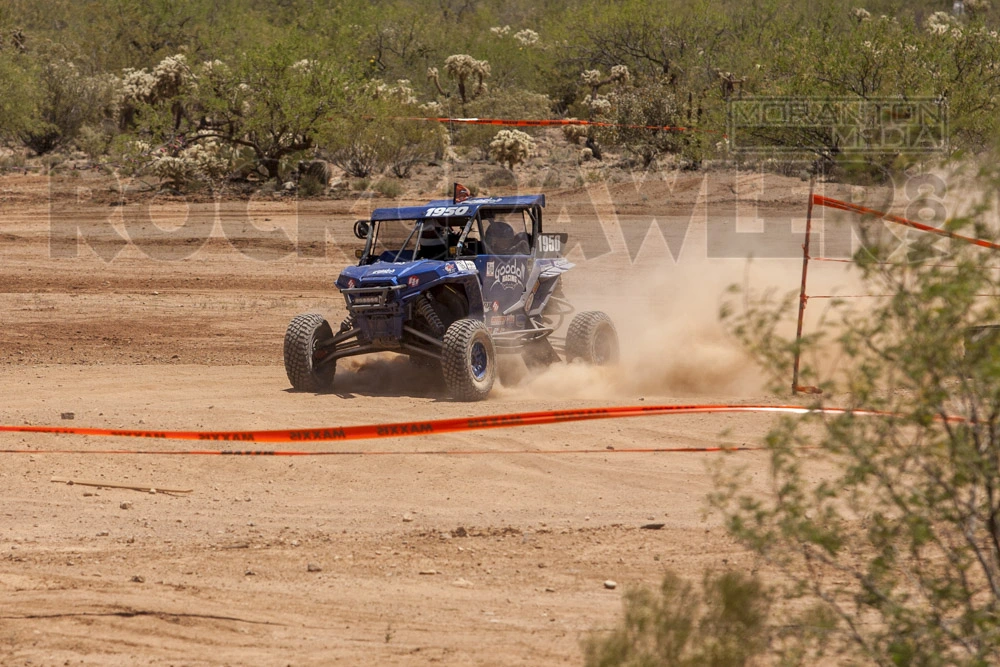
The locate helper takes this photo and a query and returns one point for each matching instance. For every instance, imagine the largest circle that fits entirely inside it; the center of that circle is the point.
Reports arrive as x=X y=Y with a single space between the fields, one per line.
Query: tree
x=271 y=101
x=18 y=96
x=889 y=526
x=372 y=136
x=67 y=101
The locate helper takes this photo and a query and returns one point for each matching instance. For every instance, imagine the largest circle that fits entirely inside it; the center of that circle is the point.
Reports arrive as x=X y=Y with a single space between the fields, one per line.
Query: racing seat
x=521 y=246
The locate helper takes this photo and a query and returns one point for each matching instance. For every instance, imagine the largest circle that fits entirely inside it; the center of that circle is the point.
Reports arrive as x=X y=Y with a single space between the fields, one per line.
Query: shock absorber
x=426 y=311
x=347 y=324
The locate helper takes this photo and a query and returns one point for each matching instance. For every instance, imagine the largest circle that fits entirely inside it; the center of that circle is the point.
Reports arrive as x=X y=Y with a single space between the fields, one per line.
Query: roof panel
x=444 y=208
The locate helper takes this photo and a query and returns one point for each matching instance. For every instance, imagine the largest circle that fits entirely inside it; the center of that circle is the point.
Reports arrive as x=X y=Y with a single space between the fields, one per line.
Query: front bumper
x=378 y=313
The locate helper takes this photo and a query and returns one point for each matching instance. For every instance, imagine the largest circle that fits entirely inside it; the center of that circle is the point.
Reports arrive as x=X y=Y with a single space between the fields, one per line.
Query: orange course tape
x=829 y=202
x=554 y=122
x=418 y=428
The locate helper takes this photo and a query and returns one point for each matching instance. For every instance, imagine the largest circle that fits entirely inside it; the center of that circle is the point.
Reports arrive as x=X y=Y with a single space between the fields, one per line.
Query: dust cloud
x=672 y=342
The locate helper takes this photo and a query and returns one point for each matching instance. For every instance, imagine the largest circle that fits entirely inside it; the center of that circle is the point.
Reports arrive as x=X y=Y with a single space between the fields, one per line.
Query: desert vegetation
x=261 y=86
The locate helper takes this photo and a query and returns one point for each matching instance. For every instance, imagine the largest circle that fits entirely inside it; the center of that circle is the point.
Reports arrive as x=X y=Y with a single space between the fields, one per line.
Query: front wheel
x=303 y=354
x=468 y=359
x=592 y=338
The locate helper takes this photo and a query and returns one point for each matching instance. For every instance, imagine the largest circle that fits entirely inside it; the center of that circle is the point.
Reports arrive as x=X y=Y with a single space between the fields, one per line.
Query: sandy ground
x=165 y=317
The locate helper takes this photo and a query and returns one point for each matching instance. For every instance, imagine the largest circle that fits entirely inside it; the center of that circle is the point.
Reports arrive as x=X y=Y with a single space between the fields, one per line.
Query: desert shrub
x=67 y=100
x=372 y=138
x=511 y=148
x=407 y=143
x=358 y=155
x=552 y=179
x=269 y=101
x=506 y=105
x=19 y=95
x=897 y=542
x=649 y=104
x=313 y=177
x=498 y=178
x=186 y=166
x=310 y=186
x=725 y=624
x=94 y=141
x=389 y=187
x=574 y=134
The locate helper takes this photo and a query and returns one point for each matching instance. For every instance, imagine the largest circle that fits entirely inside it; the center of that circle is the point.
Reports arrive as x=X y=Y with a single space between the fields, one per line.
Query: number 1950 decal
x=551 y=243
x=444 y=211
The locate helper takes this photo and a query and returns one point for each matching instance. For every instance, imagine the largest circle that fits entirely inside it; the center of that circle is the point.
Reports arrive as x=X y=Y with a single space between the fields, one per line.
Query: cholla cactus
x=168 y=79
x=591 y=77
x=212 y=159
x=172 y=75
x=207 y=160
x=860 y=14
x=598 y=104
x=401 y=92
x=137 y=85
x=729 y=83
x=527 y=37
x=976 y=7
x=574 y=134
x=939 y=23
x=511 y=148
x=432 y=107
x=462 y=67
x=499 y=31
x=175 y=170
x=619 y=74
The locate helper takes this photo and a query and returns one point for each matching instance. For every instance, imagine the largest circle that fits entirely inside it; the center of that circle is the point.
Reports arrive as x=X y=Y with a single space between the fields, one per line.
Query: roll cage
x=462 y=233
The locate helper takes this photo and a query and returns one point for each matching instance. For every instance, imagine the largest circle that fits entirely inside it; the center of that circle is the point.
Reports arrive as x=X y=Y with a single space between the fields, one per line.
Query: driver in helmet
x=433 y=240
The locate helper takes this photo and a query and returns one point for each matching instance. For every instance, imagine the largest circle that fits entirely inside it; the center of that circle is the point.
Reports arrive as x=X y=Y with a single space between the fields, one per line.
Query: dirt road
x=402 y=558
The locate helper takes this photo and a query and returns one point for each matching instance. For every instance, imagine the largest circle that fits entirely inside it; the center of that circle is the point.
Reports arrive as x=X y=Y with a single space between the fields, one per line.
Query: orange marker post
x=803 y=298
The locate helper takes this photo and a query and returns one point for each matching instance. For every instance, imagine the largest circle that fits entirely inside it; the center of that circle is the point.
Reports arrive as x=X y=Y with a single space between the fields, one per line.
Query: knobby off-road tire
x=592 y=338
x=468 y=360
x=304 y=333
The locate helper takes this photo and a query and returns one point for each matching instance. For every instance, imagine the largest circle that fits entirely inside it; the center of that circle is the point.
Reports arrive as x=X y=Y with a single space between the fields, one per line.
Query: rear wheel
x=592 y=337
x=303 y=354
x=468 y=359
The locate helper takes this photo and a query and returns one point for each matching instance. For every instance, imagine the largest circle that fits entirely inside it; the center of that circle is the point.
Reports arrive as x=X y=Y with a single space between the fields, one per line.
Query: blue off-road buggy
x=452 y=284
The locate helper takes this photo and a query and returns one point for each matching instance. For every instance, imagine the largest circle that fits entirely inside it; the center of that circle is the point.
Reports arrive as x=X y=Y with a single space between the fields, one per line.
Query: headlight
x=366 y=299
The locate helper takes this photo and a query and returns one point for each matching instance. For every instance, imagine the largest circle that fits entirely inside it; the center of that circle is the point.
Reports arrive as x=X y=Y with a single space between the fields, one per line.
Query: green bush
x=723 y=625
x=292 y=68
x=389 y=187
x=372 y=137
x=498 y=178
x=897 y=540
x=506 y=105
